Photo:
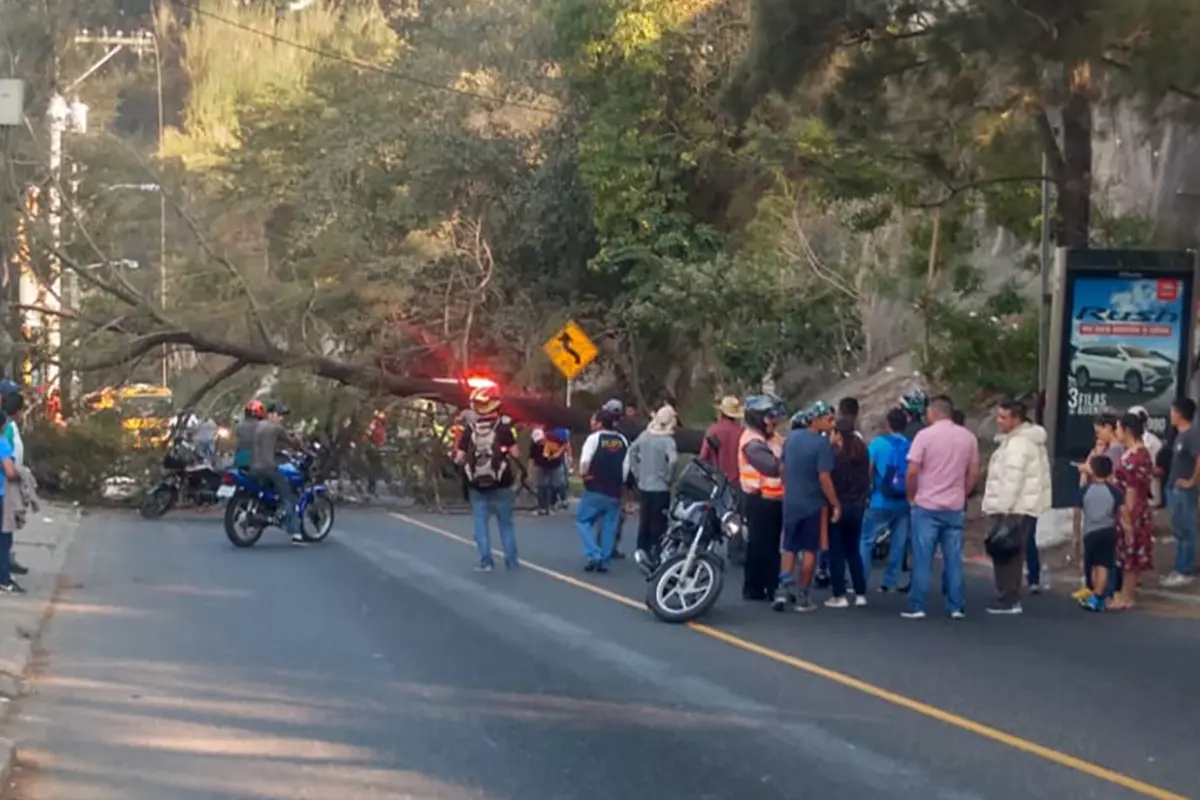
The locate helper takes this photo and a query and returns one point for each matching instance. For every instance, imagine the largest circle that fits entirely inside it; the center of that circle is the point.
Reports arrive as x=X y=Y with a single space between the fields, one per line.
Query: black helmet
x=275 y=407
x=761 y=407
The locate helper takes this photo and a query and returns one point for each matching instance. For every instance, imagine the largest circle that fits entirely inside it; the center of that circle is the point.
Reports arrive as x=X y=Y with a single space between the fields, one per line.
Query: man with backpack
x=486 y=449
x=888 y=509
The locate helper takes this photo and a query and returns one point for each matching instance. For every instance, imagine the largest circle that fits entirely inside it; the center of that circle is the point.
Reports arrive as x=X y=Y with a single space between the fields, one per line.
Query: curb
x=21 y=649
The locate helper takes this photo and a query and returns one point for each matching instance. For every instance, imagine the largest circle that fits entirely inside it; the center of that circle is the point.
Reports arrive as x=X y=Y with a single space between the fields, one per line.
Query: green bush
x=992 y=350
x=74 y=460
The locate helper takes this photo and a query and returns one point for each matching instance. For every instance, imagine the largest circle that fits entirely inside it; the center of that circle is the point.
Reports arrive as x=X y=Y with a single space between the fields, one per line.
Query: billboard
x=1125 y=341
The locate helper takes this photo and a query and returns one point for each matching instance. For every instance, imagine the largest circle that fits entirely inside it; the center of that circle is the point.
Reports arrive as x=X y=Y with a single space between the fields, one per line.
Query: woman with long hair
x=852 y=482
x=1135 y=523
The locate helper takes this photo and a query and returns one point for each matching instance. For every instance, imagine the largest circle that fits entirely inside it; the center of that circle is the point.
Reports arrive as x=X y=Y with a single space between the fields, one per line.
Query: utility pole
x=138 y=42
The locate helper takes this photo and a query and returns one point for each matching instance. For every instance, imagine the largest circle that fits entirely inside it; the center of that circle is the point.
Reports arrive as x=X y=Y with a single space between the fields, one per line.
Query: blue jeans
x=595 y=507
x=1033 y=559
x=934 y=529
x=500 y=503
x=6 y=543
x=877 y=519
x=1182 y=505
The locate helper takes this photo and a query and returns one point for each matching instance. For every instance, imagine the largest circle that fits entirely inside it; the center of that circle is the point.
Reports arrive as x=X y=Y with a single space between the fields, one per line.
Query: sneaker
x=1081 y=594
x=1092 y=603
x=484 y=567
x=885 y=589
x=298 y=540
x=602 y=567
x=913 y=614
x=905 y=588
x=958 y=615
x=859 y=601
x=12 y=588
x=805 y=605
x=1175 y=580
x=782 y=599
x=837 y=602
x=998 y=608
x=590 y=566
x=618 y=555
x=17 y=568
x=512 y=565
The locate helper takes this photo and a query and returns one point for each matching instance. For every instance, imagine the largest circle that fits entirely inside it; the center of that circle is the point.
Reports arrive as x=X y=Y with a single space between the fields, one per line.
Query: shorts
x=1100 y=548
x=803 y=534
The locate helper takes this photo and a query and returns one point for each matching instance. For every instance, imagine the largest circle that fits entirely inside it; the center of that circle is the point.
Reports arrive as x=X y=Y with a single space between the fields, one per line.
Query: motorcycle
x=686 y=574
x=187 y=478
x=251 y=507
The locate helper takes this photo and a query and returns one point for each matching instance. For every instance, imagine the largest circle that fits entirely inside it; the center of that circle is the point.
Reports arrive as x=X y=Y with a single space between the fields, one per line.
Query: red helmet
x=485 y=400
x=255 y=408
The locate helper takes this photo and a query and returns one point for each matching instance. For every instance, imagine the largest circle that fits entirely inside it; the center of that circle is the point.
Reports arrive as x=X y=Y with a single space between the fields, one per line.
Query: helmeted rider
x=243 y=435
x=760 y=475
x=914 y=403
x=487 y=449
x=269 y=436
x=602 y=467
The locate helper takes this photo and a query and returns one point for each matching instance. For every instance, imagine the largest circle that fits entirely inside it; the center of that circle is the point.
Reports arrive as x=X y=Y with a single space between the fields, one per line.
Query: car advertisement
x=1125 y=345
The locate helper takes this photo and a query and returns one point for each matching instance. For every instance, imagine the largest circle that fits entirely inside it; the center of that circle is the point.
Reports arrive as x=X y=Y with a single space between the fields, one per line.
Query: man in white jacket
x=1018 y=483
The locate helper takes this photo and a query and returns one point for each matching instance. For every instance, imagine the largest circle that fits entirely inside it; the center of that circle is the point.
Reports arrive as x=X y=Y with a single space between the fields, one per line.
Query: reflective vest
x=753 y=481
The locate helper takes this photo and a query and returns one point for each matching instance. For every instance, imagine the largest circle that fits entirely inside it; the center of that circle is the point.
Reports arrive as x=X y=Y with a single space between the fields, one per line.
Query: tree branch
x=215 y=380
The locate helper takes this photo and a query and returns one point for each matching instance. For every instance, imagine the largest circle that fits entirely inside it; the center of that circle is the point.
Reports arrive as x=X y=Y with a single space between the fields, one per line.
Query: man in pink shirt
x=943 y=466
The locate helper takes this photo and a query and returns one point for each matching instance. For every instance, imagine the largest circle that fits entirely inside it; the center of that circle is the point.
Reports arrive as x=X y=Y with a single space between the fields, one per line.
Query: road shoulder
x=42 y=546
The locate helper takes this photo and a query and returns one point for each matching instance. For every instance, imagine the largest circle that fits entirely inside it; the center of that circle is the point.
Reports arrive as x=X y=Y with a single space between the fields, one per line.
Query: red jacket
x=729 y=434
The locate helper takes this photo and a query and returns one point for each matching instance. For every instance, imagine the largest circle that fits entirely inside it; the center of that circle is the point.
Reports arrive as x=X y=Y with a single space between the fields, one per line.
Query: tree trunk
x=1075 y=187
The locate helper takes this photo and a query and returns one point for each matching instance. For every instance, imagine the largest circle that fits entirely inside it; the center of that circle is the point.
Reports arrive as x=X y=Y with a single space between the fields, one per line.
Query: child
x=1096 y=522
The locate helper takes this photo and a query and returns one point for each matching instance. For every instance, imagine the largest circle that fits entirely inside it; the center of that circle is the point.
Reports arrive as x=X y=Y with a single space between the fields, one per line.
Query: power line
x=366 y=65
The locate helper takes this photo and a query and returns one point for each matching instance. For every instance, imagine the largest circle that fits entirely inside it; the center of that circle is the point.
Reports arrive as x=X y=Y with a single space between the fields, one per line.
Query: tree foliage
x=724 y=194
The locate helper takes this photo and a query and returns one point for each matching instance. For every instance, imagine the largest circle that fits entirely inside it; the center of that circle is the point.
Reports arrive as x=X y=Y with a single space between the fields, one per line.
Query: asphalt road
x=378 y=665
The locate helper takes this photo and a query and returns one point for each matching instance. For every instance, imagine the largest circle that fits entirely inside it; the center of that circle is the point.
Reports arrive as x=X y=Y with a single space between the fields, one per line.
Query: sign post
x=570 y=350
x=1122 y=335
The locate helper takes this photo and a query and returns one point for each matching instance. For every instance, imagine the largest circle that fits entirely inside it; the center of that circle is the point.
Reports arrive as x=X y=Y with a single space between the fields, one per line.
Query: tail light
x=227 y=478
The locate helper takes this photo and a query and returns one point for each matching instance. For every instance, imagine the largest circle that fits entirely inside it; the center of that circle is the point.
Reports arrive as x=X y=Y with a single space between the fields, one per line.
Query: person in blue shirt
x=8 y=472
x=888 y=509
x=810 y=504
x=602 y=467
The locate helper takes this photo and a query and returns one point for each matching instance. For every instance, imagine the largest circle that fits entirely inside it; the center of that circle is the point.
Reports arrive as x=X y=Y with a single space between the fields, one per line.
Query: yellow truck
x=145 y=410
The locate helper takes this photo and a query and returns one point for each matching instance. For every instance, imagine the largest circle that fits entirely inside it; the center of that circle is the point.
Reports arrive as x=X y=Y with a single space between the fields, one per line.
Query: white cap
x=1140 y=411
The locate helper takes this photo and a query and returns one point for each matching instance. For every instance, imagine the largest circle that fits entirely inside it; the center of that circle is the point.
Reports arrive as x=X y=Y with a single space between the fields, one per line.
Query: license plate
x=225 y=492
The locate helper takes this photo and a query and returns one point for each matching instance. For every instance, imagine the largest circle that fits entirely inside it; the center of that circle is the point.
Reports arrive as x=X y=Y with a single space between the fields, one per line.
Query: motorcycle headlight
x=732 y=524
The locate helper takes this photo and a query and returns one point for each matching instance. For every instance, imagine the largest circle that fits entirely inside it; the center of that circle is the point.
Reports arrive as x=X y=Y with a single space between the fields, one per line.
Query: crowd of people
x=822 y=499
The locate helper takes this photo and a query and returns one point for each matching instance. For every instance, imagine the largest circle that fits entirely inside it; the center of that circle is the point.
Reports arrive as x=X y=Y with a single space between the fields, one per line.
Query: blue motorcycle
x=252 y=507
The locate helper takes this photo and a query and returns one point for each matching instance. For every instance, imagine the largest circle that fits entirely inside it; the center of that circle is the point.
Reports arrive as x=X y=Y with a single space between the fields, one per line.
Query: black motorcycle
x=686 y=573
x=187 y=478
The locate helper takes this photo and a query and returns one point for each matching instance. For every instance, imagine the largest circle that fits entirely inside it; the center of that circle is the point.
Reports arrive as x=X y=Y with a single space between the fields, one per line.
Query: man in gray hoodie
x=651 y=463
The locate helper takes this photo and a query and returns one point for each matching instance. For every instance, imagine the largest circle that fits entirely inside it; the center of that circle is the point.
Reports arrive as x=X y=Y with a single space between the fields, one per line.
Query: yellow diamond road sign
x=571 y=350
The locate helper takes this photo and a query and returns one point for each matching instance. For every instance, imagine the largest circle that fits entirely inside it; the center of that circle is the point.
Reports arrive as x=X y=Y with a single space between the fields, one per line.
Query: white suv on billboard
x=1133 y=369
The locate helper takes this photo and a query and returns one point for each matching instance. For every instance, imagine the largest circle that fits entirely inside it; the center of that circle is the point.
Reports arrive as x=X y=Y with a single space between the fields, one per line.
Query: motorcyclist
x=914 y=403
x=760 y=475
x=269 y=434
x=254 y=412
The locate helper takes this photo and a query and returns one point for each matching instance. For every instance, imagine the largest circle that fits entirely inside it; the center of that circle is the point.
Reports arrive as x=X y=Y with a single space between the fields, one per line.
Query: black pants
x=764 y=522
x=652 y=519
x=845 y=536
x=1008 y=573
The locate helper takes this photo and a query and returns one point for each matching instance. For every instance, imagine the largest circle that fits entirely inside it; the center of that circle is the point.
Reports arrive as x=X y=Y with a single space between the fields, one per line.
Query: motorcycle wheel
x=158 y=502
x=238 y=529
x=700 y=590
x=317 y=521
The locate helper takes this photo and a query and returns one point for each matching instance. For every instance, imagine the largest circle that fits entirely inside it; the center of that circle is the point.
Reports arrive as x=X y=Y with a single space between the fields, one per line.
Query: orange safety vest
x=753 y=481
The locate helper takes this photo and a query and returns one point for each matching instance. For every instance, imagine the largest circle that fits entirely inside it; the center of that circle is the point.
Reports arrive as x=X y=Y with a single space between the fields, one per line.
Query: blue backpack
x=892 y=484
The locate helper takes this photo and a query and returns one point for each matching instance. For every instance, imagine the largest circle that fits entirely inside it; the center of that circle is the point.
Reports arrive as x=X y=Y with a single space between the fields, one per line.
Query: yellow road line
x=849 y=681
